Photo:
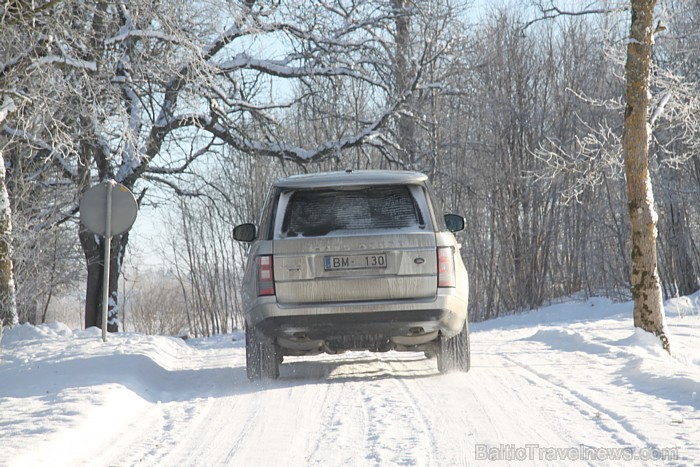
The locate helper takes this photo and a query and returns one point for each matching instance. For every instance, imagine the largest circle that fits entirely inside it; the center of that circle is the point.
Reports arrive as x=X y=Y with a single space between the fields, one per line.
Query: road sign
x=107 y=209
x=93 y=209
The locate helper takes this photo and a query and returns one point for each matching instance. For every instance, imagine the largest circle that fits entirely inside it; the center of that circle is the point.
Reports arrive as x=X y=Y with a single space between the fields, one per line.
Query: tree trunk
x=8 y=302
x=93 y=248
x=646 y=286
x=404 y=75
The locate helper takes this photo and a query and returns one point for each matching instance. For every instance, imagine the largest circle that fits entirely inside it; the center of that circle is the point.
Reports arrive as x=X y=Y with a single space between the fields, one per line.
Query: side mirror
x=245 y=232
x=454 y=222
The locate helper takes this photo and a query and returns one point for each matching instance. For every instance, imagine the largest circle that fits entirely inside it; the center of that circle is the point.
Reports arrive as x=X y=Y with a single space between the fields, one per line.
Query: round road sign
x=93 y=208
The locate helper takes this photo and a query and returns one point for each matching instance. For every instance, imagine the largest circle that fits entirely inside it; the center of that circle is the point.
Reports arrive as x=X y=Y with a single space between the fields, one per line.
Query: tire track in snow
x=139 y=438
x=426 y=425
x=240 y=431
x=284 y=427
x=201 y=418
x=362 y=408
x=370 y=412
x=342 y=427
x=392 y=414
x=180 y=402
x=608 y=420
x=468 y=410
x=185 y=435
x=430 y=410
x=410 y=391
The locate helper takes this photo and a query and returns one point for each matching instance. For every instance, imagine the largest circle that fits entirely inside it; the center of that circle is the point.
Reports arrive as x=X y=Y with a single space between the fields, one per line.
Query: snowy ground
x=568 y=382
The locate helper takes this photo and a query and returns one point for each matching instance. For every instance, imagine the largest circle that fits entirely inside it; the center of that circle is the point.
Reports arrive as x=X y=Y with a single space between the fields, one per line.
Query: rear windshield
x=315 y=213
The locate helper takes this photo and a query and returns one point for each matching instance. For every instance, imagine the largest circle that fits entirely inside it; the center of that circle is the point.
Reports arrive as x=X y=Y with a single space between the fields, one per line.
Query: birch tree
x=8 y=306
x=646 y=286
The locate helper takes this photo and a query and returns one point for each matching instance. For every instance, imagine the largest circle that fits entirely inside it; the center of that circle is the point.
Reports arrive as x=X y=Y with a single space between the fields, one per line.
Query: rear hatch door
x=354 y=244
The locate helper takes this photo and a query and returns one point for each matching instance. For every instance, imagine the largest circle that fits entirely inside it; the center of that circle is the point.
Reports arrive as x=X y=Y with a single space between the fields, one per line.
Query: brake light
x=446 y=267
x=266 y=278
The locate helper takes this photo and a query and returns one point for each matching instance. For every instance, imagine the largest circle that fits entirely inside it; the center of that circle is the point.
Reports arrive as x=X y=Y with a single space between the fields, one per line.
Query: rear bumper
x=361 y=325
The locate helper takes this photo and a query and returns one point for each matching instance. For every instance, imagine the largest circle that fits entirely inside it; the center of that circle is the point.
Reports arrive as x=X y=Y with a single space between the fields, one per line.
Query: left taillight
x=266 y=277
x=446 y=267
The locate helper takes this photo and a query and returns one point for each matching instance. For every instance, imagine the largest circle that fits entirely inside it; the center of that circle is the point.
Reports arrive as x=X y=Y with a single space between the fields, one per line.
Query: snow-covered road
x=569 y=382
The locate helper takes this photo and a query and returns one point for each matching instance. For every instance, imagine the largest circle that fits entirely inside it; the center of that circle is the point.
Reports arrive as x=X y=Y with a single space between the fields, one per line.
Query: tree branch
x=554 y=12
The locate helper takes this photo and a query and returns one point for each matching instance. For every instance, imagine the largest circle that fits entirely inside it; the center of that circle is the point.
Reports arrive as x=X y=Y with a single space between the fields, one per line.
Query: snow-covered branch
x=185 y=164
x=173 y=185
x=45 y=150
x=284 y=68
x=552 y=12
x=126 y=34
x=131 y=157
x=659 y=109
x=87 y=65
x=289 y=151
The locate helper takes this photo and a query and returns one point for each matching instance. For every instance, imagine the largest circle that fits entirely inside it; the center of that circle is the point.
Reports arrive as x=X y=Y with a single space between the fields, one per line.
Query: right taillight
x=446 y=267
x=266 y=278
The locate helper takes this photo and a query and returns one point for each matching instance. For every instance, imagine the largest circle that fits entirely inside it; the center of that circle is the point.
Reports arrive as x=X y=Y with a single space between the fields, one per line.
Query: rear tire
x=262 y=356
x=252 y=355
x=453 y=354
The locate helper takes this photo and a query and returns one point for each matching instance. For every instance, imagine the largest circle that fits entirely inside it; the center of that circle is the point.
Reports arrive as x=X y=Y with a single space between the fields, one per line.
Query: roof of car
x=352 y=178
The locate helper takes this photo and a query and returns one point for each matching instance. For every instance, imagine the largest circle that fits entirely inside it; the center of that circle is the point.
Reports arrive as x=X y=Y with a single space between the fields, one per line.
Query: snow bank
x=29 y=333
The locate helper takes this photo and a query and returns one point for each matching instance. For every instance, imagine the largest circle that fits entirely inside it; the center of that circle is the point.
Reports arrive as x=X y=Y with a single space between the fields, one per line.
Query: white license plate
x=334 y=263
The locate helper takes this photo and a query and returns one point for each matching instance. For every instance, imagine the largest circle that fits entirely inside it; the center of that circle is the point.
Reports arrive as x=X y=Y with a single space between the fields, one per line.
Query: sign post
x=108 y=252
x=107 y=209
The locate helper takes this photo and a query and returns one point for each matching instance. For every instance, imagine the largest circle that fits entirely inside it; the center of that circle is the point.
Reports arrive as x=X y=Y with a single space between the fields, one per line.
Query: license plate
x=334 y=263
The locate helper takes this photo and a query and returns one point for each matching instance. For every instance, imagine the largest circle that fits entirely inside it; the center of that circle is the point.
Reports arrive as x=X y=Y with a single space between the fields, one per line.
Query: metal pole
x=107 y=259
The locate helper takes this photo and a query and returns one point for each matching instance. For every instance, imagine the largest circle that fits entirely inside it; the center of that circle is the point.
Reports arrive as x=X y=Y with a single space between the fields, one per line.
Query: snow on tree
x=143 y=93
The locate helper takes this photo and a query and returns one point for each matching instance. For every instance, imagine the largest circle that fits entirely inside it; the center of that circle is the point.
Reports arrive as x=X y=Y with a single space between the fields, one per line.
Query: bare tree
x=156 y=305
x=675 y=124
x=141 y=93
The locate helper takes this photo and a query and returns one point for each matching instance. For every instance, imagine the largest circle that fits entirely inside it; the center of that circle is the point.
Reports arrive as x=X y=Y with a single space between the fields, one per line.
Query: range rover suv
x=359 y=260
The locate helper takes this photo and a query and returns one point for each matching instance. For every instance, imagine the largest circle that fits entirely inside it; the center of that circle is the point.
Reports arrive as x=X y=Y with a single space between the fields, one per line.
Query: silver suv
x=349 y=260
